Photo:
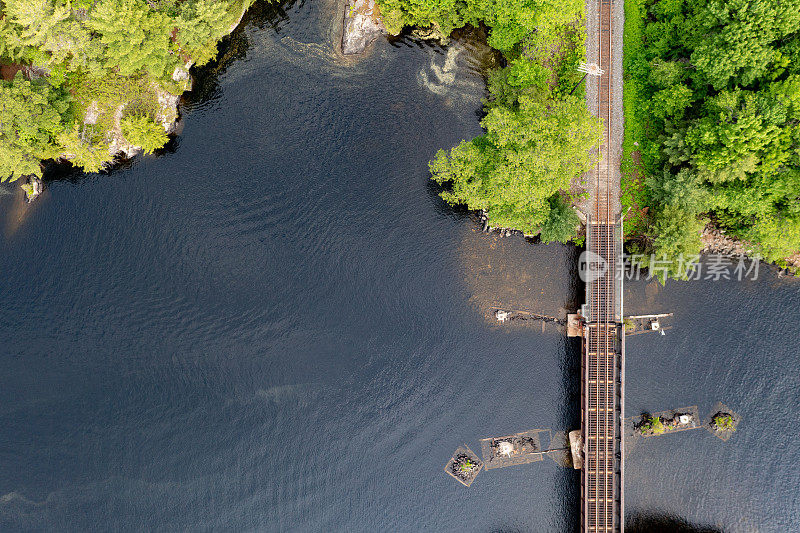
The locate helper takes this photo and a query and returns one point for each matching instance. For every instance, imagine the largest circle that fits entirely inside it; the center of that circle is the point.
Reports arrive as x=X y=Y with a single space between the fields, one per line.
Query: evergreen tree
x=201 y=23
x=84 y=149
x=141 y=131
x=136 y=37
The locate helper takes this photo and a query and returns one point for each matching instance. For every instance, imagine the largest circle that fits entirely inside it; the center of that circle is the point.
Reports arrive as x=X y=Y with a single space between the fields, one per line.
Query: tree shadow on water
x=656 y=523
x=233 y=48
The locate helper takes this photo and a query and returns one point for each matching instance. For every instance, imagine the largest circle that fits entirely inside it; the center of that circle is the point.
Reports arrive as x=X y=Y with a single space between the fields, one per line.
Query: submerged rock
x=362 y=25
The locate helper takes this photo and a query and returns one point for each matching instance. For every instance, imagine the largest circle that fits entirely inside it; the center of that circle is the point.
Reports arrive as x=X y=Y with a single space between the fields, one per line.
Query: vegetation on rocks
x=467 y=465
x=713 y=108
x=464 y=467
x=650 y=425
x=723 y=422
x=95 y=64
x=538 y=129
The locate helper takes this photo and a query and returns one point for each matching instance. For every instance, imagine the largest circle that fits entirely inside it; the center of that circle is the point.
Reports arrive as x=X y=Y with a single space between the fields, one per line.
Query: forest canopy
x=89 y=64
x=715 y=88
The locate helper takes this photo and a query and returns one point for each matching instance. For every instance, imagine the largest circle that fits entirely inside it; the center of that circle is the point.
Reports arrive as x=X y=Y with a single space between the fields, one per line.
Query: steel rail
x=600 y=356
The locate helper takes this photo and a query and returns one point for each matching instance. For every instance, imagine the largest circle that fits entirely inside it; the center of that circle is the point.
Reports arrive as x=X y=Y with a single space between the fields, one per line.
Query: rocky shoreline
x=503 y=232
x=167 y=112
x=716 y=241
x=362 y=25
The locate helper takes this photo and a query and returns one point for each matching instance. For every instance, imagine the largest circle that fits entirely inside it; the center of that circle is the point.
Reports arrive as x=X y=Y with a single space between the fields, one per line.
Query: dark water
x=732 y=342
x=277 y=325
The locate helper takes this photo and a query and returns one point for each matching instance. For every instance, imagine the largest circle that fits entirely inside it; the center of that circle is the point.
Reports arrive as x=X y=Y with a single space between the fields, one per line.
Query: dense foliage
x=538 y=135
x=95 y=58
x=142 y=131
x=32 y=115
x=511 y=21
x=713 y=101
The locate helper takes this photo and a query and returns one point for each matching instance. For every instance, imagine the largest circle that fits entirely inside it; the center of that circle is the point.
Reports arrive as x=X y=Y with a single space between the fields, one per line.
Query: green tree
x=671 y=102
x=538 y=137
x=201 y=24
x=140 y=130
x=677 y=238
x=738 y=136
x=46 y=30
x=32 y=115
x=665 y=74
x=561 y=222
x=683 y=190
x=777 y=235
x=136 y=37
x=104 y=55
x=527 y=155
x=85 y=149
x=510 y=21
x=736 y=39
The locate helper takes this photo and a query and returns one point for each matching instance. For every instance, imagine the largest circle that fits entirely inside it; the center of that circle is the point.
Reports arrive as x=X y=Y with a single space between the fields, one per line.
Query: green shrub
x=724 y=422
x=651 y=424
x=140 y=130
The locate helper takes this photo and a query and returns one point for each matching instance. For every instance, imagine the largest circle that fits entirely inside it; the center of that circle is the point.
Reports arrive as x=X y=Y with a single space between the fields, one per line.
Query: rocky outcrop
x=362 y=26
x=716 y=241
x=166 y=115
x=33 y=188
x=118 y=144
x=166 y=111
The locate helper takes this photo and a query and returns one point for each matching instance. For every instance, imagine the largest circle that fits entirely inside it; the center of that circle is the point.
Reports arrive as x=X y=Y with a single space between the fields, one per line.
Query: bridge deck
x=602 y=395
x=602 y=363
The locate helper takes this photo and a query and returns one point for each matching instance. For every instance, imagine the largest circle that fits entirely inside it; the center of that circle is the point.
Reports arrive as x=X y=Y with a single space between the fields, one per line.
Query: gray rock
x=362 y=25
x=33 y=188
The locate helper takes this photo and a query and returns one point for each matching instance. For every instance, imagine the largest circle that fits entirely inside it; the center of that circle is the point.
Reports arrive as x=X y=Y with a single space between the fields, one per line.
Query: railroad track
x=602 y=352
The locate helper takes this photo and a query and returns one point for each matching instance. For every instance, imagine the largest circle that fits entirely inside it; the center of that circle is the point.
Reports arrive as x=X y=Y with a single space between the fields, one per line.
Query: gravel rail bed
x=618 y=119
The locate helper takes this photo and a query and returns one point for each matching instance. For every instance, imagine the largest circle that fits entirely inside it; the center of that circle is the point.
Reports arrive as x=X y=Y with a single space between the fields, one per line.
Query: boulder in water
x=33 y=188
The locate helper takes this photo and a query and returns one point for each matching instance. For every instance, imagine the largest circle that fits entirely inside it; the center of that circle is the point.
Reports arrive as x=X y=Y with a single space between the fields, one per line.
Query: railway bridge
x=603 y=340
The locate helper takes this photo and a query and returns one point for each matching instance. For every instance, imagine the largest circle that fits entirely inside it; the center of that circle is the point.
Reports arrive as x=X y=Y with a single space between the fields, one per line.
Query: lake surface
x=278 y=325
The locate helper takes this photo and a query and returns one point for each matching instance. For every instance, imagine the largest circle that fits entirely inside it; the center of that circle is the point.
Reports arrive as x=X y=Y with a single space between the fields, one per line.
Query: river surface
x=277 y=325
